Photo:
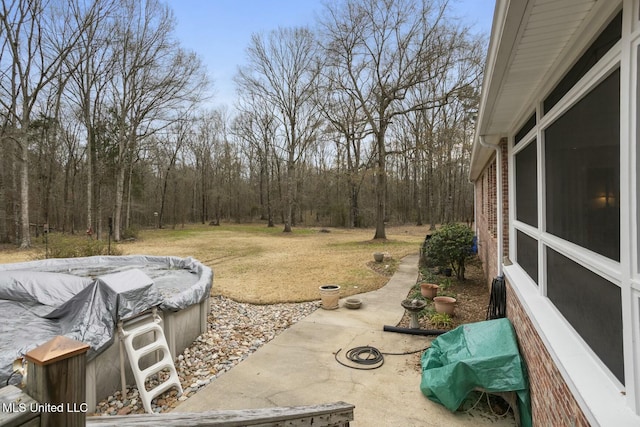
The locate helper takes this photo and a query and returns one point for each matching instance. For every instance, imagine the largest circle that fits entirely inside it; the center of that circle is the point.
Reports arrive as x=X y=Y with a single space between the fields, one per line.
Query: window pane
x=527 y=185
x=582 y=171
x=605 y=41
x=527 y=250
x=530 y=124
x=591 y=304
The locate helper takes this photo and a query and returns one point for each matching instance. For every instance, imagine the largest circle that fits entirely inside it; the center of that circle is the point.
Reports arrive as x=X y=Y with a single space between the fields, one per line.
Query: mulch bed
x=472 y=295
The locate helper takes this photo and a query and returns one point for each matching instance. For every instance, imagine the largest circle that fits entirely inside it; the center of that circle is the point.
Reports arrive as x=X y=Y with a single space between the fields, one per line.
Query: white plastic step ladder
x=149 y=324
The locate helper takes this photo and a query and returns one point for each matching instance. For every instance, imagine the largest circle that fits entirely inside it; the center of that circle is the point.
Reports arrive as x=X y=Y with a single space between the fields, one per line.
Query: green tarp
x=476 y=355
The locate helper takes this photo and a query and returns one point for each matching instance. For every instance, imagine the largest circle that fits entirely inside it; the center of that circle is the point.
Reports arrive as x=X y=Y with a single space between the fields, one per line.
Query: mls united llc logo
x=43 y=407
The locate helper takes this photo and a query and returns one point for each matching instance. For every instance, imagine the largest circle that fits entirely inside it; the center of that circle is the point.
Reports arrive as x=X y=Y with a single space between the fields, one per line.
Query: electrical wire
x=367 y=357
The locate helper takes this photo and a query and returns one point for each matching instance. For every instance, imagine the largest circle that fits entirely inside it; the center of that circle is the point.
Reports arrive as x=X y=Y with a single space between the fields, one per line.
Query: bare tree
x=170 y=145
x=283 y=70
x=91 y=67
x=37 y=37
x=228 y=188
x=256 y=126
x=71 y=136
x=153 y=79
x=202 y=147
x=348 y=122
x=383 y=49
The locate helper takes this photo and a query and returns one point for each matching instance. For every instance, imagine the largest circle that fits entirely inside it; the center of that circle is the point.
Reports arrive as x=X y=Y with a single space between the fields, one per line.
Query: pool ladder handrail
x=130 y=329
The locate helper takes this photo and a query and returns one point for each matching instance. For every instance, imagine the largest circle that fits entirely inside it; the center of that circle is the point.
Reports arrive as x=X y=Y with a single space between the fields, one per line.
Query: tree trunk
x=381 y=184
x=127 y=219
x=289 y=195
x=163 y=197
x=417 y=192
x=91 y=177
x=430 y=192
x=15 y=200
x=354 y=211
x=269 y=207
x=23 y=147
x=65 y=194
x=4 y=202
x=119 y=197
x=261 y=189
x=203 y=202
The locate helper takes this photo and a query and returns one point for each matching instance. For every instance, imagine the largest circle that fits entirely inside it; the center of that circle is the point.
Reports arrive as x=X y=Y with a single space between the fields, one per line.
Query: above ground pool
x=84 y=298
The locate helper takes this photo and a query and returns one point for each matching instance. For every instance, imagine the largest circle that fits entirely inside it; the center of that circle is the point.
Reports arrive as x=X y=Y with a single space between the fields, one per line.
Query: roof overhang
x=532 y=43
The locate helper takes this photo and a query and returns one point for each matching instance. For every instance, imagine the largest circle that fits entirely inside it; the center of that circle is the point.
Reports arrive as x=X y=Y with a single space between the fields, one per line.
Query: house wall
x=552 y=403
x=573 y=263
x=487 y=224
x=487 y=247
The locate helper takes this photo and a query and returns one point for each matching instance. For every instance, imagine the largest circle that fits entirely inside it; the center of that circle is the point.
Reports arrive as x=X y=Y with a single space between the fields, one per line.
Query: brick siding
x=552 y=403
x=486 y=191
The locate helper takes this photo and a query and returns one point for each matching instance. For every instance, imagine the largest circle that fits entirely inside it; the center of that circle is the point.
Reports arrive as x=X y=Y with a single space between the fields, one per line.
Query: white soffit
x=546 y=30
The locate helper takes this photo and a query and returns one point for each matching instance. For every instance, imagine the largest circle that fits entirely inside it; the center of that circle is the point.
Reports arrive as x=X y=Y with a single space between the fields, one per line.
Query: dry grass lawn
x=256 y=264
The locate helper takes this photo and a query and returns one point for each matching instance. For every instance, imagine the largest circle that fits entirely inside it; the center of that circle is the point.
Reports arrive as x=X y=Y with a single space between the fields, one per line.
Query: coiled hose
x=497 y=299
x=367 y=357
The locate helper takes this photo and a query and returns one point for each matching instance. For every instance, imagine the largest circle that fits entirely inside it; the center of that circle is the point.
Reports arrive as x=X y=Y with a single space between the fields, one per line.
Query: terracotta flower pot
x=429 y=290
x=445 y=305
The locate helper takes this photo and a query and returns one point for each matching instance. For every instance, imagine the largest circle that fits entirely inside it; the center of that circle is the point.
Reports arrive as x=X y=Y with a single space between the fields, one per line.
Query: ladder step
x=140 y=320
x=149 y=348
x=138 y=327
x=155 y=368
x=142 y=329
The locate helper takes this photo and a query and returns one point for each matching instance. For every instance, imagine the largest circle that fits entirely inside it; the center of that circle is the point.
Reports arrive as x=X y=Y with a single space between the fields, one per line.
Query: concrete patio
x=298 y=367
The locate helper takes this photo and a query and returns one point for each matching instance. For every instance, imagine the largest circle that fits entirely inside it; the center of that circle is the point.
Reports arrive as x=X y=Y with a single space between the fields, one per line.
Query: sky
x=219 y=30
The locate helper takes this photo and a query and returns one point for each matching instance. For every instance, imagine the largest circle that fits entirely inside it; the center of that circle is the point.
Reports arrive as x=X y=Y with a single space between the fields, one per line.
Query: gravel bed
x=235 y=331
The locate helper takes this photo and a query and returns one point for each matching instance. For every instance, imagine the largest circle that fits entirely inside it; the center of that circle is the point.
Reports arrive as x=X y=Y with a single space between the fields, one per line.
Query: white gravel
x=235 y=330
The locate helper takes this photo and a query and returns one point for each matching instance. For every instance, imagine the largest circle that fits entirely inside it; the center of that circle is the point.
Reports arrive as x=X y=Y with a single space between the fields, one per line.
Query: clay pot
x=429 y=290
x=329 y=295
x=378 y=256
x=445 y=305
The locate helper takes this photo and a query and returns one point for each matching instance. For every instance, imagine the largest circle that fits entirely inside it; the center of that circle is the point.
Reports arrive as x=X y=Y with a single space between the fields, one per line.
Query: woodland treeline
x=361 y=119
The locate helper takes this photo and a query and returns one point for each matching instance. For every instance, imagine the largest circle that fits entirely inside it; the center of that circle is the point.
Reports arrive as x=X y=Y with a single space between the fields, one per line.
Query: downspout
x=499 y=201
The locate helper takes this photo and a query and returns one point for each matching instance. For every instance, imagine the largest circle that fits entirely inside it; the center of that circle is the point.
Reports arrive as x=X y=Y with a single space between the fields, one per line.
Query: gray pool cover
x=83 y=298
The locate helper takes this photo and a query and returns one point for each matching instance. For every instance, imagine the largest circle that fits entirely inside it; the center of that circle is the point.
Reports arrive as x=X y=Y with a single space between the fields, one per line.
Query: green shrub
x=440 y=320
x=60 y=245
x=415 y=293
x=450 y=246
x=428 y=276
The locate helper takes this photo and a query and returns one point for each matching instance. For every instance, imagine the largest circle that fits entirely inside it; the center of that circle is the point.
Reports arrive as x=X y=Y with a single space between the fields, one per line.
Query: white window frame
x=602 y=397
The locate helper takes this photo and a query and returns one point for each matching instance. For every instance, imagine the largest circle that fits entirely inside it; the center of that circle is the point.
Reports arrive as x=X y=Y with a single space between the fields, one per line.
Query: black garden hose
x=414 y=331
x=367 y=357
x=497 y=300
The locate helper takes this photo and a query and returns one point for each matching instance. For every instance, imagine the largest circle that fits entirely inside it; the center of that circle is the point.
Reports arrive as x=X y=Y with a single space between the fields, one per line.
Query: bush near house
x=450 y=246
